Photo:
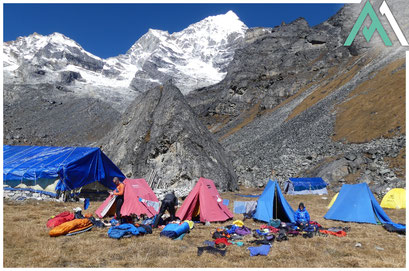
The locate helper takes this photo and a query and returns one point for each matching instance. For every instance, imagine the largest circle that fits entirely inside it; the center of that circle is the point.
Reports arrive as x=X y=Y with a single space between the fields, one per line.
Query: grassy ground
x=27 y=243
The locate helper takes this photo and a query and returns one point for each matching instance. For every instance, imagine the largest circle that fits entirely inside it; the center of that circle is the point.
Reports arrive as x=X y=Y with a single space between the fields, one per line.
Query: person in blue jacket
x=301 y=216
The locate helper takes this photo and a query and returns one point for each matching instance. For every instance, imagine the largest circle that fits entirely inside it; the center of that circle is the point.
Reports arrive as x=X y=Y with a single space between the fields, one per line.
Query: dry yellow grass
x=376 y=107
x=27 y=244
x=321 y=92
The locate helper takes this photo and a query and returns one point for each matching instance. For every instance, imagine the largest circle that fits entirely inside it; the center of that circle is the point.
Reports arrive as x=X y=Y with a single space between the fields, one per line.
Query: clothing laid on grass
x=261 y=250
x=338 y=233
x=117 y=232
x=209 y=243
x=211 y=250
x=260 y=242
x=222 y=241
x=243 y=231
x=270 y=228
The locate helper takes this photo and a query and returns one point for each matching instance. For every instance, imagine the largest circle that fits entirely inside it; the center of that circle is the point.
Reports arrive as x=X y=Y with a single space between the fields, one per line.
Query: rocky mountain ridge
x=46 y=76
x=293 y=102
x=294 y=97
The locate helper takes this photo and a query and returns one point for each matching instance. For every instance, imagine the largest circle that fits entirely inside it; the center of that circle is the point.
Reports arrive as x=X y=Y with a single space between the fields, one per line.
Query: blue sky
x=110 y=29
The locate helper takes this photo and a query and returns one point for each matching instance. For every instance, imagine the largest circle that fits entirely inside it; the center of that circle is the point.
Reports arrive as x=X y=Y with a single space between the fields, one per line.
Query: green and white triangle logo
x=376 y=25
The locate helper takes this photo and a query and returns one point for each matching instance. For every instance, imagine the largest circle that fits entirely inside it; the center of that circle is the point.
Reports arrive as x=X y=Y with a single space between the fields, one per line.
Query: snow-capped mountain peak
x=194 y=57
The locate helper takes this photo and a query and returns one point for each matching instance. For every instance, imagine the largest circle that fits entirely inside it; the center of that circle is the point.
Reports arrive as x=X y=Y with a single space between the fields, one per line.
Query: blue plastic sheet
x=248 y=196
x=308 y=183
x=74 y=166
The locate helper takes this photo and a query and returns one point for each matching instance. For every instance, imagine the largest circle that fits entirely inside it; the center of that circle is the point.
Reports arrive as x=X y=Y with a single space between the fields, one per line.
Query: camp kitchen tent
x=135 y=191
x=395 y=199
x=301 y=186
x=272 y=205
x=356 y=203
x=204 y=200
x=41 y=166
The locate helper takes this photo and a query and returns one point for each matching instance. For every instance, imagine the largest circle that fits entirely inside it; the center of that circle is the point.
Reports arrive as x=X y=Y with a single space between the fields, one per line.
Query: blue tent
x=74 y=166
x=272 y=205
x=356 y=203
x=302 y=186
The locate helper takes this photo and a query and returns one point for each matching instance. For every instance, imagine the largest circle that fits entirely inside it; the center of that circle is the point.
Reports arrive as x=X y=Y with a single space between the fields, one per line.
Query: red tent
x=134 y=189
x=205 y=201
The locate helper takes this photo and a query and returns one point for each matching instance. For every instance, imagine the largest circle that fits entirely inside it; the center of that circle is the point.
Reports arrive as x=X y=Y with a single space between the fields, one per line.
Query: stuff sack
x=175 y=230
x=59 y=219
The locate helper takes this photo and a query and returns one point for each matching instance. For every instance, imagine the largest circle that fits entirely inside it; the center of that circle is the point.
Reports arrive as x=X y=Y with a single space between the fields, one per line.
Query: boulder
x=161 y=139
x=334 y=171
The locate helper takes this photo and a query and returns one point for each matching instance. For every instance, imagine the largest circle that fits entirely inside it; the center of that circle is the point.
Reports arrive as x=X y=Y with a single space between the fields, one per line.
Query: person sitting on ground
x=301 y=216
x=119 y=192
x=168 y=203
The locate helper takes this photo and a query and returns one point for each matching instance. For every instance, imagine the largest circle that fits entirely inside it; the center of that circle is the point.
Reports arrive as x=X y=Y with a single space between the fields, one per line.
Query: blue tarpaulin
x=356 y=203
x=248 y=196
x=295 y=186
x=272 y=205
x=74 y=166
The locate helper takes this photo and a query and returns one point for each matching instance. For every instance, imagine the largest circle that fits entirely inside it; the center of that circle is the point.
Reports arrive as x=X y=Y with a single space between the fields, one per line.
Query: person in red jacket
x=119 y=193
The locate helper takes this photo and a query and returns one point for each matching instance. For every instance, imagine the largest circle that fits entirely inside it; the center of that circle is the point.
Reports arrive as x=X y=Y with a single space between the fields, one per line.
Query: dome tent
x=395 y=199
